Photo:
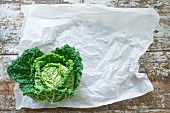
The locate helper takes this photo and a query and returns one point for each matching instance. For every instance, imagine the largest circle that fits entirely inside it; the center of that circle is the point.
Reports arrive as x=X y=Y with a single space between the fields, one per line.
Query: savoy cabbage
x=51 y=77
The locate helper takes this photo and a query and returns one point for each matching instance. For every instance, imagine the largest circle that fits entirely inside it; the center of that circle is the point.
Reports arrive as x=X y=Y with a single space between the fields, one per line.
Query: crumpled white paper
x=110 y=41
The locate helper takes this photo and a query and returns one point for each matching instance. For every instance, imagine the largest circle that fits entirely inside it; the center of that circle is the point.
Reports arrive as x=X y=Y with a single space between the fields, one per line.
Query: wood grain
x=155 y=62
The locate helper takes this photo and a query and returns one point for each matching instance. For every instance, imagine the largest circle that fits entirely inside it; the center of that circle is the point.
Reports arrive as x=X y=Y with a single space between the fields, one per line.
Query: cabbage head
x=52 y=77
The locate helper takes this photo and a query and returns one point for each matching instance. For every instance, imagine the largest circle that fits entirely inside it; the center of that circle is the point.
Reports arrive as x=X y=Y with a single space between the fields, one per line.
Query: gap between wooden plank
x=1 y=54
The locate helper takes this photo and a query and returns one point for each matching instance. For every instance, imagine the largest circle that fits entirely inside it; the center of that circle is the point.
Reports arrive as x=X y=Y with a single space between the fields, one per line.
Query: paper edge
x=148 y=11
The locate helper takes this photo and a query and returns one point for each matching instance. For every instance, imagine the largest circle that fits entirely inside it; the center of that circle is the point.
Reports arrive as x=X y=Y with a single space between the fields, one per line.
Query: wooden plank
x=160 y=5
x=7 y=100
x=10 y=28
x=163 y=29
x=94 y=111
x=155 y=57
x=156 y=64
x=160 y=44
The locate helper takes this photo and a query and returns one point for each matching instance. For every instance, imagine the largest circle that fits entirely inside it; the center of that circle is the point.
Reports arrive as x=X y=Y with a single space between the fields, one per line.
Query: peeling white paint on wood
x=10 y=27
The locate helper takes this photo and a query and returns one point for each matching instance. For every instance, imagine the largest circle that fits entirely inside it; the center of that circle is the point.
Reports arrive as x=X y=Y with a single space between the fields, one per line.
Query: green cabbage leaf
x=52 y=77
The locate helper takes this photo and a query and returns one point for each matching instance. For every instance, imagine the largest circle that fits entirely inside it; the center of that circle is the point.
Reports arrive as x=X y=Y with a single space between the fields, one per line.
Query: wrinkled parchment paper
x=110 y=41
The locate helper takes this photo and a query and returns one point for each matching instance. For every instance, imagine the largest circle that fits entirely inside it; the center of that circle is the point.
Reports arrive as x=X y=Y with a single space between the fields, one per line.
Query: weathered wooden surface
x=155 y=62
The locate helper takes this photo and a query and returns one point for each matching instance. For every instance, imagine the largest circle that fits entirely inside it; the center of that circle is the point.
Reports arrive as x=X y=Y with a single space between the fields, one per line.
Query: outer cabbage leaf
x=20 y=69
x=51 y=77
